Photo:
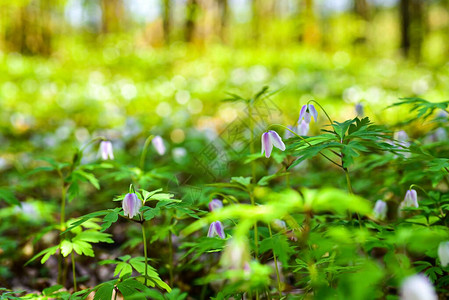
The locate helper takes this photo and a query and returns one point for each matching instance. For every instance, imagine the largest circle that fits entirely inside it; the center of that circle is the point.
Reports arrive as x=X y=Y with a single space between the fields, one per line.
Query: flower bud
x=443 y=253
x=131 y=205
x=216 y=228
x=417 y=287
x=380 y=210
x=106 y=150
x=215 y=204
x=307 y=112
x=158 y=144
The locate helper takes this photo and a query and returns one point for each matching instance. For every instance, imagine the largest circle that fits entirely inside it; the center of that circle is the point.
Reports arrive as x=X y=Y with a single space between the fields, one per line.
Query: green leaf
x=122 y=269
x=104 y=292
x=89 y=177
x=83 y=248
x=66 y=247
x=50 y=290
x=46 y=252
x=244 y=181
x=8 y=196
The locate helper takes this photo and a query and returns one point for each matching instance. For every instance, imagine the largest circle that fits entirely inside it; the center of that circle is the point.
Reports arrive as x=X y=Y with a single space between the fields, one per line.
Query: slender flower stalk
x=144 y=151
x=144 y=238
x=73 y=271
x=276 y=265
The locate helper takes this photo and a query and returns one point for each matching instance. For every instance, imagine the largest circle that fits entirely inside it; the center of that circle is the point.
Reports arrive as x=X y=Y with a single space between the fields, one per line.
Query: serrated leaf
x=83 y=248
x=66 y=248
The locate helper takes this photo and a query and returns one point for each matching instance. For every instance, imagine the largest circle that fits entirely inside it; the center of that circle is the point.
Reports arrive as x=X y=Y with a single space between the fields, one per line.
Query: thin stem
x=144 y=238
x=170 y=258
x=256 y=235
x=61 y=226
x=348 y=181
x=73 y=271
x=329 y=118
x=144 y=151
x=116 y=293
x=322 y=154
x=98 y=138
x=276 y=265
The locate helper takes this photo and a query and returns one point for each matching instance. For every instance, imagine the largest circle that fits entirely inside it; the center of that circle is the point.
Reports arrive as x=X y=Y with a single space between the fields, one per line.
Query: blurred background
x=73 y=67
x=72 y=70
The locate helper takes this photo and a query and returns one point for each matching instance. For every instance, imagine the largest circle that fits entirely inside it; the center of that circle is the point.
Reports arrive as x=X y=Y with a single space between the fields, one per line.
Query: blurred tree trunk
x=113 y=15
x=191 y=16
x=29 y=29
x=166 y=20
x=224 y=14
x=412 y=27
x=362 y=8
x=310 y=33
x=255 y=19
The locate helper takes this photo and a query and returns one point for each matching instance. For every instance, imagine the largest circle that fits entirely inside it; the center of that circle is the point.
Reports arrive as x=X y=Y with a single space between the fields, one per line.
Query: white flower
x=443 y=253
x=417 y=287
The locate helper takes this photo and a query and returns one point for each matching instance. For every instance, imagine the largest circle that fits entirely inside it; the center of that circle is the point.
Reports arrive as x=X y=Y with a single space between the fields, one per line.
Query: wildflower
x=307 y=112
x=303 y=128
x=380 y=210
x=443 y=253
x=359 y=109
x=215 y=204
x=403 y=138
x=280 y=224
x=269 y=139
x=236 y=254
x=158 y=144
x=131 y=205
x=216 y=228
x=410 y=200
x=106 y=150
x=417 y=287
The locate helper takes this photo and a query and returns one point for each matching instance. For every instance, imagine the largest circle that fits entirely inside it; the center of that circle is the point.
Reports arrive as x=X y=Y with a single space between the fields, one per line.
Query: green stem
x=145 y=251
x=322 y=154
x=329 y=118
x=144 y=151
x=116 y=293
x=256 y=234
x=348 y=180
x=73 y=271
x=170 y=258
x=98 y=138
x=276 y=265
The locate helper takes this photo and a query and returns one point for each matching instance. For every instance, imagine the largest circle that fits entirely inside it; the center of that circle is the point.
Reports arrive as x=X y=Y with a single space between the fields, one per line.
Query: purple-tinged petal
x=302 y=112
x=215 y=204
x=307 y=117
x=219 y=229
x=267 y=146
x=380 y=210
x=303 y=128
x=211 y=231
x=276 y=140
x=131 y=205
x=158 y=144
x=313 y=112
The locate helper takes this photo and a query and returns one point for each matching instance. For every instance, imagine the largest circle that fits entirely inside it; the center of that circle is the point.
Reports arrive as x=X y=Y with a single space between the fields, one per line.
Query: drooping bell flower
x=307 y=112
x=410 y=200
x=215 y=204
x=417 y=287
x=131 y=205
x=303 y=128
x=359 y=109
x=443 y=253
x=270 y=139
x=216 y=228
x=236 y=254
x=158 y=144
x=106 y=150
x=380 y=210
